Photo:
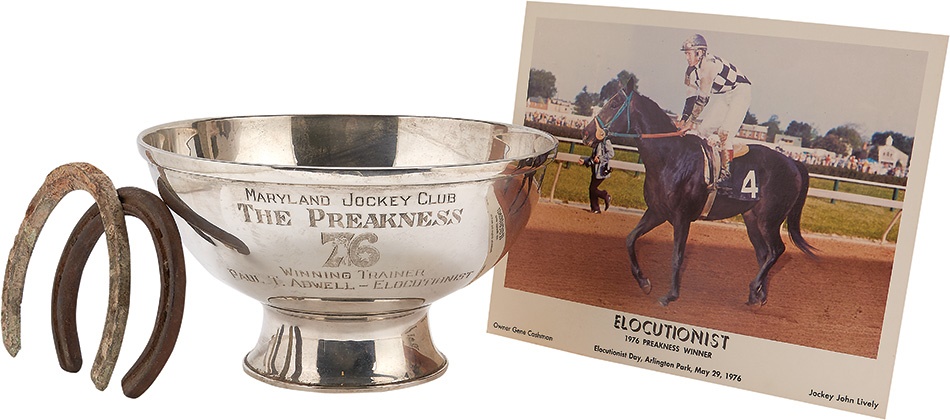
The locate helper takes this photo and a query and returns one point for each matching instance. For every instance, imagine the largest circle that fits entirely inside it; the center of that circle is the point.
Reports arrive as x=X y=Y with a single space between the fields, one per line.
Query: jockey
x=718 y=98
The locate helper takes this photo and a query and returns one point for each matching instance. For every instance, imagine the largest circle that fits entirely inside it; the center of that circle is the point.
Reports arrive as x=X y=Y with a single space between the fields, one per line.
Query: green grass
x=869 y=190
x=848 y=219
x=626 y=188
x=819 y=216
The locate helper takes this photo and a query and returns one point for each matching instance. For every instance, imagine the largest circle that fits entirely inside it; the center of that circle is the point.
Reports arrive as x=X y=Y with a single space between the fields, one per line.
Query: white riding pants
x=725 y=112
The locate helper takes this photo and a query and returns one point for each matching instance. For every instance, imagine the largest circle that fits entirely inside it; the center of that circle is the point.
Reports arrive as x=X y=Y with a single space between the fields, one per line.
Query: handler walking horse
x=773 y=185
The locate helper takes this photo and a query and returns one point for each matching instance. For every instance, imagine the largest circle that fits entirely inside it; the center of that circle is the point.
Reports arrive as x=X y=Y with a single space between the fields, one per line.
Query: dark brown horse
x=675 y=190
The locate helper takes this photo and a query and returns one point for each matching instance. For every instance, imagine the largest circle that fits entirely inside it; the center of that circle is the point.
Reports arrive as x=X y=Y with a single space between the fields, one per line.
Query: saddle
x=743 y=181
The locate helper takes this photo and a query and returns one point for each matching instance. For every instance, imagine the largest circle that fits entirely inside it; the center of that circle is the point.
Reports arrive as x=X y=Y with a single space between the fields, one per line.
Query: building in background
x=753 y=132
x=890 y=155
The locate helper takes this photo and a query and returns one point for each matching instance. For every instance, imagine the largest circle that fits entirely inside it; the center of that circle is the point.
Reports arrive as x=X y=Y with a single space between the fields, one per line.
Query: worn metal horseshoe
x=61 y=181
x=201 y=226
x=171 y=264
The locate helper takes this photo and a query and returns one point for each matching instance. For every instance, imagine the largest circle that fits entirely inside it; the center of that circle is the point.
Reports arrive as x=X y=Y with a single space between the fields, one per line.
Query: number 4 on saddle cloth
x=743 y=184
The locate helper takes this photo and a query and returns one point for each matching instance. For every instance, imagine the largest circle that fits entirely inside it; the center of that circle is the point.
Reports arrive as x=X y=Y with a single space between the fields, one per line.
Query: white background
x=80 y=80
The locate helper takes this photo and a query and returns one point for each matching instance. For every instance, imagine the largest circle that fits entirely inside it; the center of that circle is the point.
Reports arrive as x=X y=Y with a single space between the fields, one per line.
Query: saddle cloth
x=740 y=176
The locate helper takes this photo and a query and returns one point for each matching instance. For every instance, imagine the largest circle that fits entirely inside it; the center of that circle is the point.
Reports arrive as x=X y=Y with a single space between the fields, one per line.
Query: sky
x=823 y=83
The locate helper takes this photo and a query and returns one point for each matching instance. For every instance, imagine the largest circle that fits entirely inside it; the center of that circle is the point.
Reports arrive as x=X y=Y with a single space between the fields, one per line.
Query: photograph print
x=719 y=188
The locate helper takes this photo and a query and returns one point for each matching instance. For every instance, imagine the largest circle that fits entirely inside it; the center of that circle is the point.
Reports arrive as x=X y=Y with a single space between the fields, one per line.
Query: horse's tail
x=794 y=220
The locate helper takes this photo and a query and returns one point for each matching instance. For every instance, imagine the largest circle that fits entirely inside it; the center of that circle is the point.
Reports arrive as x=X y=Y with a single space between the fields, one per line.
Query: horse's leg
x=680 y=233
x=648 y=222
x=761 y=251
x=766 y=237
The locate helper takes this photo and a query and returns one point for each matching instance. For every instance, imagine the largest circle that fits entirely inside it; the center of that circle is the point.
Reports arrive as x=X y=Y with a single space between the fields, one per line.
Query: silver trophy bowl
x=346 y=229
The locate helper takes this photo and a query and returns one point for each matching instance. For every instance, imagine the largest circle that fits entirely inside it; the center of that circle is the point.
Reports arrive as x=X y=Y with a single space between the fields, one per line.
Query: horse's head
x=615 y=118
x=629 y=115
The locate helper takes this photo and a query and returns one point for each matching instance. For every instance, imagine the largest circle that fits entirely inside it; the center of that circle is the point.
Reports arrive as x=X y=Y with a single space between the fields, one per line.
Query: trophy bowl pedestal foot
x=344 y=353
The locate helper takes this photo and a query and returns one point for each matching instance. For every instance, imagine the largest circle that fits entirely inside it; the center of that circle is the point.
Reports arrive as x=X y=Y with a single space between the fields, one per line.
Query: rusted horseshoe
x=201 y=226
x=171 y=264
x=61 y=181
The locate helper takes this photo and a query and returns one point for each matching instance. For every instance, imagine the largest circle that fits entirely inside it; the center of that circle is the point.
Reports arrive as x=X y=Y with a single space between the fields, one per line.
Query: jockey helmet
x=695 y=42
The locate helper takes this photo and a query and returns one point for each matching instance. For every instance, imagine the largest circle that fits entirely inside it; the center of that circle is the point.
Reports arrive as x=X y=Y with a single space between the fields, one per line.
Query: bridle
x=602 y=129
x=603 y=132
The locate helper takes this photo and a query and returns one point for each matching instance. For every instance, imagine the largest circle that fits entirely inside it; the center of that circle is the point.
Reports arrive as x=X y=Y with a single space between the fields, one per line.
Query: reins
x=661 y=135
x=644 y=136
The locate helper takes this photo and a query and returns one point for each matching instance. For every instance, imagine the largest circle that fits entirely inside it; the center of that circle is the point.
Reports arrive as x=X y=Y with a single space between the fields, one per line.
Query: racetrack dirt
x=834 y=303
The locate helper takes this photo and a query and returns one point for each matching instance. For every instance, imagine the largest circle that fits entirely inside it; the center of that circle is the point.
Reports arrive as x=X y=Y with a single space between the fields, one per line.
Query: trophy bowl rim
x=479 y=169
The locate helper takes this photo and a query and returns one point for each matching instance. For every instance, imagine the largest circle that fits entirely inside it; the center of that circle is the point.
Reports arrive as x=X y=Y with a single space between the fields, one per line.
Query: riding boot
x=723 y=184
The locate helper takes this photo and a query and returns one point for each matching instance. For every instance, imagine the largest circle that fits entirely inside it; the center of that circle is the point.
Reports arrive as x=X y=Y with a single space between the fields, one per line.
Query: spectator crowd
x=572 y=121
x=869 y=166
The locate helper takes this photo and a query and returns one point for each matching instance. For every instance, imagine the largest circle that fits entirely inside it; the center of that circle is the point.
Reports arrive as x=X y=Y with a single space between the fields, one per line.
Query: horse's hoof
x=665 y=300
x=758 y=301
x=757 y=297
x=646 y=286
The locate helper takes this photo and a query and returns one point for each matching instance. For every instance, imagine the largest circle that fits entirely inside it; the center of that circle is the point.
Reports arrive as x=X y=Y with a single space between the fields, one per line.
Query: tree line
x=843 y=140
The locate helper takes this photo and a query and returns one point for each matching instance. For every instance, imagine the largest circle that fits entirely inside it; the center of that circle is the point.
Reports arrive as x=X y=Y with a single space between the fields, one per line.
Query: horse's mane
x=653 y=115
